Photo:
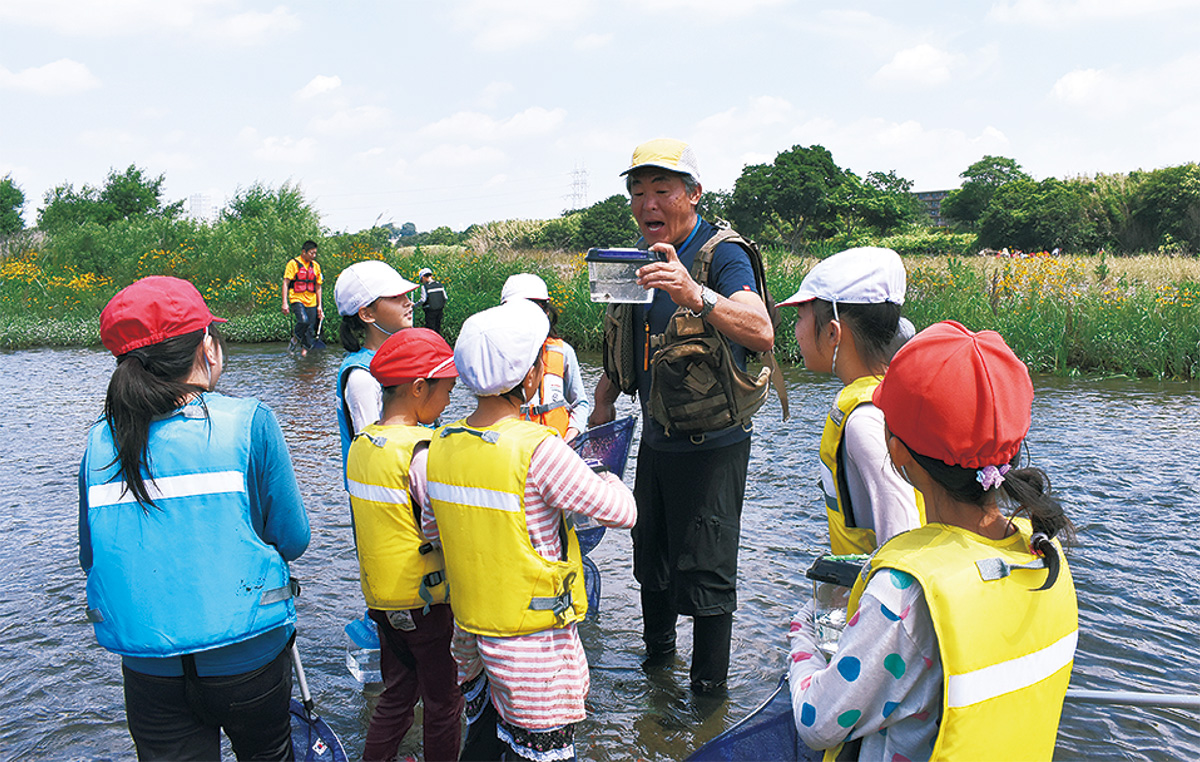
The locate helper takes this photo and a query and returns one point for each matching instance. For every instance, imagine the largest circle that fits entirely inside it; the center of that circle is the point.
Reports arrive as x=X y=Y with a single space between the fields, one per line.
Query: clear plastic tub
x=612 y=275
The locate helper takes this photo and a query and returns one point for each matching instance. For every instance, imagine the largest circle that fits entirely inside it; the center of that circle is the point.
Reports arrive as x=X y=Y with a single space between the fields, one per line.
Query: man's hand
x=604 y=408
x=286 y=310
x=671 y=276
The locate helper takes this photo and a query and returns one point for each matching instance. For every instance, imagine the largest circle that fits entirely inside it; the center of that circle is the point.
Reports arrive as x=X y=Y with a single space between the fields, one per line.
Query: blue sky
x=464 y=111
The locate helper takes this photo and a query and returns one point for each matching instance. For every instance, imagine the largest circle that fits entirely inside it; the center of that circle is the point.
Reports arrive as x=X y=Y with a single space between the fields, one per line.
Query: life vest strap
x=991 y=569
x=542 y=409
x=490 y=436
x=275 y=595
x=558 y=603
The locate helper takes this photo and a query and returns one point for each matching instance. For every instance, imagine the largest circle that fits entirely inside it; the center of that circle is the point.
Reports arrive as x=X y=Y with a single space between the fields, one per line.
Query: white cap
x=362 y=283
x=423 y=272
x=497 y=347
x=864 y=275
x=524 y=286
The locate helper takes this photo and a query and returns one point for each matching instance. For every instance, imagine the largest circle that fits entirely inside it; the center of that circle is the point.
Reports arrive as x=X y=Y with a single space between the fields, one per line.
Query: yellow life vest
x=501 y=585
x=400 y=569
x=1006 y=648
x=552 y=409
x=845 y=539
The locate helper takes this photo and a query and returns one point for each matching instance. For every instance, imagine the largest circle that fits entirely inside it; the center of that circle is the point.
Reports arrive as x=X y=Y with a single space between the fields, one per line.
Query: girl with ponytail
x=964 y=629
x=189 y=513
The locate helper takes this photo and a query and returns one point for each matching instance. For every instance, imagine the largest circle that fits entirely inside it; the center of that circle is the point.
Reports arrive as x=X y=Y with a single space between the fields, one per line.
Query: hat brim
x=656 y=165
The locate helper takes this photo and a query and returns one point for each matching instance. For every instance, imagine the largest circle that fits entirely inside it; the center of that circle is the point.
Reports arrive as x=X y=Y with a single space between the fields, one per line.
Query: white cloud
x=209 y=19
x=318 y=85
x=920 y=66
x=510 y=24
x=62 y=77
x=717 y=10
x=591 y=42
x=493 y=92
x=458 y=156
x=1055 y=13
x=283 y=149
x=253 y=27
x=471 y=125
x=353 y=121
x=107 y=139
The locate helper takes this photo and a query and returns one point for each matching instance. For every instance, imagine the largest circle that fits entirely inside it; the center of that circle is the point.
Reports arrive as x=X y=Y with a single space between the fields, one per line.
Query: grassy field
x=1131 y=316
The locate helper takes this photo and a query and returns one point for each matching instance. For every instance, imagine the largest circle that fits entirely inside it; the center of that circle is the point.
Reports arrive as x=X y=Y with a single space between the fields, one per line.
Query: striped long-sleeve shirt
x=540 y=681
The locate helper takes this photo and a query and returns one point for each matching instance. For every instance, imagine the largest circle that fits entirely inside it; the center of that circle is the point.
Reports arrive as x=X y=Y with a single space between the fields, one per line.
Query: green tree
x=607 y=224
x=882 y=203
x=260 y=201
x=127 y=195
x=1168 y=205
x=790 y=199
x=12 y=200
x=982 y=179
x=1037 y=216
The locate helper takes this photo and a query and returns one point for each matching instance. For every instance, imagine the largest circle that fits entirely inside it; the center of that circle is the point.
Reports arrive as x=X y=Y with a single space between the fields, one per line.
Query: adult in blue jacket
x=189 y=512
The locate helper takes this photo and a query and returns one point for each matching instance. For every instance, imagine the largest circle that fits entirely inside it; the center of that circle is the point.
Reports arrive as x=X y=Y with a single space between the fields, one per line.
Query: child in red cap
x=186 y=498
x=402 y=573
x=960 y=634
x=847 y=318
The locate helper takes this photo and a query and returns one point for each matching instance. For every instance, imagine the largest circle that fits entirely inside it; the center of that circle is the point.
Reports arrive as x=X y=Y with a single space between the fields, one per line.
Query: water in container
x=612 y=275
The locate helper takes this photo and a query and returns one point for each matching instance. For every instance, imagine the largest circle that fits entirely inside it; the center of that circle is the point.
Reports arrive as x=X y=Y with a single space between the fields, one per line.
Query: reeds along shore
x=1130 y=316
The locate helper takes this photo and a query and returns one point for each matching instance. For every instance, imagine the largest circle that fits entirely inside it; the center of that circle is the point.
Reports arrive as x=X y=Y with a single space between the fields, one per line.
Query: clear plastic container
x=829 y=614
x=362 y=652
x=612 y=275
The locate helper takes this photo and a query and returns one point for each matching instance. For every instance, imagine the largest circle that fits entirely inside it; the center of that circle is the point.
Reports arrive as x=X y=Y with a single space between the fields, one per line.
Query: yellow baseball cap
x=666 y=153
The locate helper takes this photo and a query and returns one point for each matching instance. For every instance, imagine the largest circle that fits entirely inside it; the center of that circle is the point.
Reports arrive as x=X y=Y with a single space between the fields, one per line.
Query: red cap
x=151 y=310
x=961 y=397
x=410 y=354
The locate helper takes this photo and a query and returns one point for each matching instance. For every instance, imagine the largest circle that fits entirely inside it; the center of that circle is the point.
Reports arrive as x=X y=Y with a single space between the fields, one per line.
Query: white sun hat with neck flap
x=497 y=347
x=863 y=275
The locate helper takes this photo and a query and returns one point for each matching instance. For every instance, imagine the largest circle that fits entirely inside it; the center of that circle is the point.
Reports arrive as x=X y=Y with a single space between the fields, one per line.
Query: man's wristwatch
x=708 y=298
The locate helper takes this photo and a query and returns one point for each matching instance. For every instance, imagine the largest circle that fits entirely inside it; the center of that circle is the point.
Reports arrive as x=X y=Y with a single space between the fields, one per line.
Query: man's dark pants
x=685 y=546
x=433 y=320
x=306 y=324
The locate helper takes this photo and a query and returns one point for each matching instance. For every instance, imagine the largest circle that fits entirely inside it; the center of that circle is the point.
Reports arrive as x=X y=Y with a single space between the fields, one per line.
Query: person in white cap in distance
x=682 y=482
x=499 y=487
x=432 y=299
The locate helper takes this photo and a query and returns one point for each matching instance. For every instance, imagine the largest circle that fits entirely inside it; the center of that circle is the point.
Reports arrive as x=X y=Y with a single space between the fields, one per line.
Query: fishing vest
x=188 y=573
x=844 y=537
x=552 y=409
x=696 y=386
x=500 y=584
x=400 y=568
x=359 y=359
x=435 y=296
x=1006 y=648
x=306 y=277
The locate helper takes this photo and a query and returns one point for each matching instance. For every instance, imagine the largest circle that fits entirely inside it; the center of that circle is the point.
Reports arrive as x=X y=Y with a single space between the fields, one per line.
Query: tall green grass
x=1131 y=317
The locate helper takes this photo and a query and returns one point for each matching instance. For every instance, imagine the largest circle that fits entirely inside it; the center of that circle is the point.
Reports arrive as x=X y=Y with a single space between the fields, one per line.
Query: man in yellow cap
x=690 y=483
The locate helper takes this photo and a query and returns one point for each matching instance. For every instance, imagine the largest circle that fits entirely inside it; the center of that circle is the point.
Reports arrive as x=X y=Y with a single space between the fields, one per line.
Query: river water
x=1124 y=455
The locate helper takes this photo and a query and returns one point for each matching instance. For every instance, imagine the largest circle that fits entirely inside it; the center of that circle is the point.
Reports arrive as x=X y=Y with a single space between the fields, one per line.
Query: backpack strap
x=701 y=265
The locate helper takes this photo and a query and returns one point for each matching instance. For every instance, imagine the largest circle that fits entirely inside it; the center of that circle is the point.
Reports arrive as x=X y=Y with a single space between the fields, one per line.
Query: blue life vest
x=359 y=359
x=188 y=573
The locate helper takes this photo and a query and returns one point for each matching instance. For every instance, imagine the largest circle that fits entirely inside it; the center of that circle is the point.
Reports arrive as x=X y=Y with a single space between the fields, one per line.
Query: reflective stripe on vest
x=843 y=538
x=500 y=585
x=188 y=573
x=1006 y=648
x=395 y=573
x=552 y=410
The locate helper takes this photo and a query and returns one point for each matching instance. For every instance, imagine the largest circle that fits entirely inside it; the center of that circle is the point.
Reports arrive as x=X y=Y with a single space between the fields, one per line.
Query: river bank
x=1063 y=315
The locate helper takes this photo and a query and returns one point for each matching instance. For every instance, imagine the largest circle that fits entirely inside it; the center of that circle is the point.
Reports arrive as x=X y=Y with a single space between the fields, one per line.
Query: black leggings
x=180 y=718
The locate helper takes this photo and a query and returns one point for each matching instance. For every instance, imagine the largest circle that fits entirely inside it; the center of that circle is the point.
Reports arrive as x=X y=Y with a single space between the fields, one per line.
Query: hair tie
x=1036 y=540
x=992 y=476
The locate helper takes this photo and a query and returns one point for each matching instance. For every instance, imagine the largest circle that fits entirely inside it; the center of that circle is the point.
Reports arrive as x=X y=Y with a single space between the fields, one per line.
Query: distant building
x=932 y=200
x=202 y=207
